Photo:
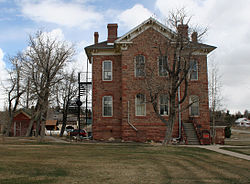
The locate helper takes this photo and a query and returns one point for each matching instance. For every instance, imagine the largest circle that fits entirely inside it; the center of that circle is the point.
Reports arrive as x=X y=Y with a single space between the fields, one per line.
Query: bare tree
x=43 y=63
x=215 y=97
x=66 y=91
x=176 y=66
x=15 y=89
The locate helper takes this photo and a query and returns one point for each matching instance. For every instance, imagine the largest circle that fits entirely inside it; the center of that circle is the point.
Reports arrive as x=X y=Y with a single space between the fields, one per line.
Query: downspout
x=179 y=113
x=129 y=120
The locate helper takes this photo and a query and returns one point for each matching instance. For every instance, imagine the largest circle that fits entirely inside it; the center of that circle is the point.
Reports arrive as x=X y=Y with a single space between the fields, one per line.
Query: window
x=163 y=65
x=194 y=108
x=139 y=65
x=140 y=105
x=164 y=105
x=107 y=106
x=107 y=71
x=193 y=70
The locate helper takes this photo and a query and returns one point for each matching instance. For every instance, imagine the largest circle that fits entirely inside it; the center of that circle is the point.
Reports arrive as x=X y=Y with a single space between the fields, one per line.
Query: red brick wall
x=219 y=135
x=106 y=127
x=125 y=86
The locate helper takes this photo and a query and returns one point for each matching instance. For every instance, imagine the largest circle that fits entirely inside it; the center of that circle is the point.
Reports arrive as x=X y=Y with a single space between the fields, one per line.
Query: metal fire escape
x=84 y=97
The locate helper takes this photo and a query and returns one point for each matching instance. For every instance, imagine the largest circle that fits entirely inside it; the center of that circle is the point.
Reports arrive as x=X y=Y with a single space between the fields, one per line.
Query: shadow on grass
x=25 y=180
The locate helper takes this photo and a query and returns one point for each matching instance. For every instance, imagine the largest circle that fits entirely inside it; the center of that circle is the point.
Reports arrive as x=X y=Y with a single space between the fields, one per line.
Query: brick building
x=120 y=110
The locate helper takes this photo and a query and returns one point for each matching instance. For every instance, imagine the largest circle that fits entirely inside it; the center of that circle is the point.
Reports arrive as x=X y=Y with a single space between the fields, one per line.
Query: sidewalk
x=216 y=148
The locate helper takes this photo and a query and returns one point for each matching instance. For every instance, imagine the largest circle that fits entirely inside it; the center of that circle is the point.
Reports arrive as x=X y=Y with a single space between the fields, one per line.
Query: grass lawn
x=32 y=163
x=239 y=138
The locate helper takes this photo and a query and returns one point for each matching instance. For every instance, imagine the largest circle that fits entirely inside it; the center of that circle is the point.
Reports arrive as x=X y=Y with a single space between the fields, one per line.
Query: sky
x=76 y=21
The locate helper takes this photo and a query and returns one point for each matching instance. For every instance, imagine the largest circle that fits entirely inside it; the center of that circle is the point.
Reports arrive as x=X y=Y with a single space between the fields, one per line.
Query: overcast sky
x=76 y=20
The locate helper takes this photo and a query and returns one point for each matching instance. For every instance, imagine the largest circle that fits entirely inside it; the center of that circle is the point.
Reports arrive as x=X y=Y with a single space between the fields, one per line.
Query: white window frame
x=135 y=66
x=191 y=70
x=111 y=107
x=136 y=113
x=190 y=108
x=103 y=72
x=164 y=105
x=159 y=73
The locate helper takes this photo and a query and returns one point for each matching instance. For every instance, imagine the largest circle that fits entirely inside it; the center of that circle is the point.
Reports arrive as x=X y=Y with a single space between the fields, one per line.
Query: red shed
x=20 y=124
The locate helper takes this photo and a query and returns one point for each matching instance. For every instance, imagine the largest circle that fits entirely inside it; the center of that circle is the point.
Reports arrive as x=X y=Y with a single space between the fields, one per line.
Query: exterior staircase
x=190 y=132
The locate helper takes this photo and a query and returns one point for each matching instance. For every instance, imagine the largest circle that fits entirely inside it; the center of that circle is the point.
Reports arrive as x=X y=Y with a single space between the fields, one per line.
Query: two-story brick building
x=119 y=107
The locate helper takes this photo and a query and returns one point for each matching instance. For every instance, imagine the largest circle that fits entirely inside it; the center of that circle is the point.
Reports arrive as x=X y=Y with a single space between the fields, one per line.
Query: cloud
x=134 y=16
x=58 y=12
x=3 y=79
x=55 y=34
x=228 y=30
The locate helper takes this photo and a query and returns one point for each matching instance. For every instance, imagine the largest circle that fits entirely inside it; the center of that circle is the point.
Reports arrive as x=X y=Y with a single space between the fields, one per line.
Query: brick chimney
x=112 y=33
x=183 y=29
x=96 y=36
x=194 y=37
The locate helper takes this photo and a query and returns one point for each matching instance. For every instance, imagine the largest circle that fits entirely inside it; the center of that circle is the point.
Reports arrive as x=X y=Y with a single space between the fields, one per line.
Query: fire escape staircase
x=190 y=133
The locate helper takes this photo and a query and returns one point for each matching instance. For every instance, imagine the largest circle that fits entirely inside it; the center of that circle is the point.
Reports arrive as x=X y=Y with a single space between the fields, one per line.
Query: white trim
x=150 y=22
x=106 y=54
x=103 y=106
x=145 y=111
x=103 y=77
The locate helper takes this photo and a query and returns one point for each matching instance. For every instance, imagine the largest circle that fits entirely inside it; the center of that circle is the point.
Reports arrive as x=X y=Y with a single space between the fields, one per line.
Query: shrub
x=228 y=132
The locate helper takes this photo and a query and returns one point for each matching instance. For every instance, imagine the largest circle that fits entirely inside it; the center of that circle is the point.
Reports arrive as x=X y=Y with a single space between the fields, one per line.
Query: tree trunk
x=63 y=124
x=8 y=126
x=37 y=127
x=171 y=121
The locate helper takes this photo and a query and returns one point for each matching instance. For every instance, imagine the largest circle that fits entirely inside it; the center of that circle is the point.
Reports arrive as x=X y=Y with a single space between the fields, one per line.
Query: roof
x=26 y=112
x=51 y=122
x=101 y=45
x=149 y=23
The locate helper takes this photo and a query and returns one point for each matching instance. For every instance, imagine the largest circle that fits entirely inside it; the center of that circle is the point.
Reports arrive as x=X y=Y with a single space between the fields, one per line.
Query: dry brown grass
x=117 y=163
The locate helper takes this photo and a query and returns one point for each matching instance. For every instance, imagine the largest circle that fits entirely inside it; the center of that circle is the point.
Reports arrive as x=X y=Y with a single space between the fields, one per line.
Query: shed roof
x=51 y=122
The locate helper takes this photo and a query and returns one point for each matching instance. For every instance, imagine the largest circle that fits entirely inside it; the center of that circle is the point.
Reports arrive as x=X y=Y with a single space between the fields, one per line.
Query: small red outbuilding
x=20 y=123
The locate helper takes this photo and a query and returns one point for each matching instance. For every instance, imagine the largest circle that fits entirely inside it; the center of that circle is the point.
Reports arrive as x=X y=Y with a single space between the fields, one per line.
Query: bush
x=228 y=132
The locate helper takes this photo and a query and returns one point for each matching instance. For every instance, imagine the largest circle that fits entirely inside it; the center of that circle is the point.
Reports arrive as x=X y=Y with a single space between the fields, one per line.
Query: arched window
x=194 y=108
x=139 y=66
x=140 y=105
x=107 y=70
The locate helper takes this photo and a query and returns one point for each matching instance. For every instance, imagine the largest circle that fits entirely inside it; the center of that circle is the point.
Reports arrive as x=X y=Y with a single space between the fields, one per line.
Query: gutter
x=179 y=112
x=129 y=120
